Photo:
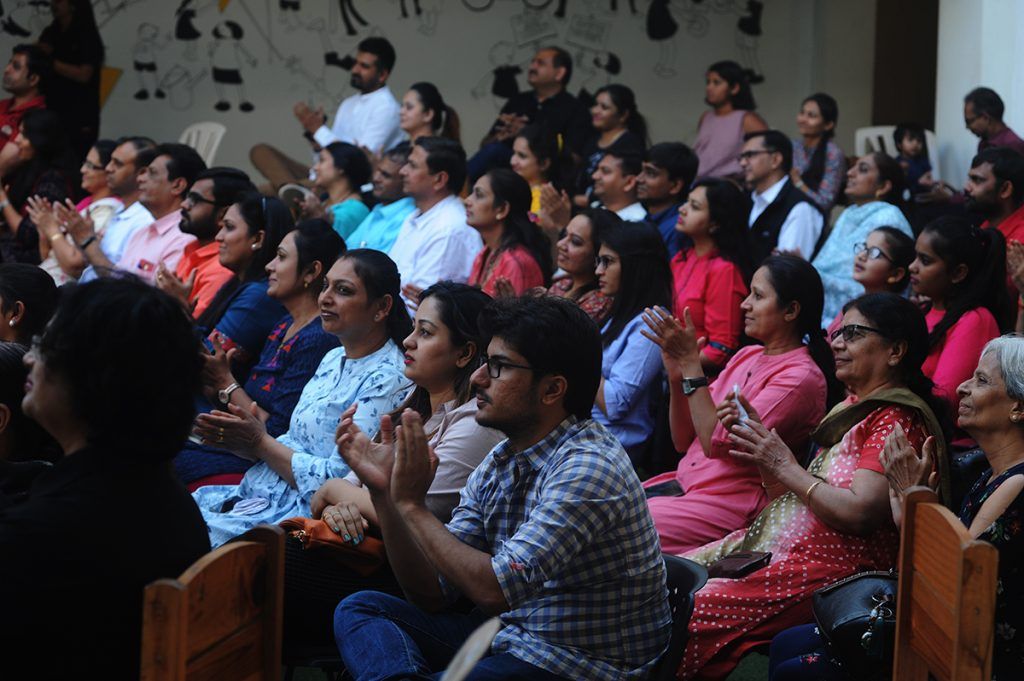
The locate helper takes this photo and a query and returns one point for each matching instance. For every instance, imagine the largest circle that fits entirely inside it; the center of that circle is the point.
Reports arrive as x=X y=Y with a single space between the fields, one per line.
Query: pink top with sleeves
x=516 y=264
x=713 y=288
x=953 y=361
x=721 y=493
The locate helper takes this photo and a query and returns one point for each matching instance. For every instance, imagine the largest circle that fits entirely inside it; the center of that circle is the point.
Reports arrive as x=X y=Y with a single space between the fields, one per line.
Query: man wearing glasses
x=199 y=274
x=782 y=219
x=552 y=533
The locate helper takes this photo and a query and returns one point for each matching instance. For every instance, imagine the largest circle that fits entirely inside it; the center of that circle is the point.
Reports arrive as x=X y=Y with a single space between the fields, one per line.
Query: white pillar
x=981 y=42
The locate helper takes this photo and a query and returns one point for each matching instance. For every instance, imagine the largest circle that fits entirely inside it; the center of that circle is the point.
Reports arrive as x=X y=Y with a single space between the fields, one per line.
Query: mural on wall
x=227 y=56
x=144 y=61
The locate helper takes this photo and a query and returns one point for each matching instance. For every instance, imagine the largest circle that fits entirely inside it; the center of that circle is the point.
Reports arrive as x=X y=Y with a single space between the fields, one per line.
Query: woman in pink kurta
x=832 y=519
x=516 y=255
x=711 y=493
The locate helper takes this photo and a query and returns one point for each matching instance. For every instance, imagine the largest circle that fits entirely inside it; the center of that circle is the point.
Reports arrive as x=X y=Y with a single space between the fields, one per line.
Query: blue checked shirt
x=575 y=552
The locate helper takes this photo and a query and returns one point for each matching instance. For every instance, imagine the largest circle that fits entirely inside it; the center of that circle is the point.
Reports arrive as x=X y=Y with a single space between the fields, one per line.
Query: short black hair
x=182 y=161
x=561 y=60
x=20 y=282
x=145 y=149
x=350 y=159
x=775 y=141
x=129 y=320
x=445 y=155
x=399 y=153
x=36 y=61
x=914 y=131
x=632 y=163
x=987 y=102
x=677 y=159
x=1007 y=166
x=380 y=48
x=555 y=337
x=229 y=184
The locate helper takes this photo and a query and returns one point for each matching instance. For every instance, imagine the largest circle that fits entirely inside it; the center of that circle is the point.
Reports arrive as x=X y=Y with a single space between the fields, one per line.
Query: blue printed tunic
x=376 y=383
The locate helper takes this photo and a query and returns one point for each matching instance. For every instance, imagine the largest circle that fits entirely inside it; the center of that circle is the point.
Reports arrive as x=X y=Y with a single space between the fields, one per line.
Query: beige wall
x=805 y=46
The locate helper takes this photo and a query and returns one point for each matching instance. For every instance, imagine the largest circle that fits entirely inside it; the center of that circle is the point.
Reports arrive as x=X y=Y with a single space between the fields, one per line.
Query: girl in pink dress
x=516 y=253
x=721 y=130
x=832 y=519
x=961 y=270
x=784 y=380
x=711 y=276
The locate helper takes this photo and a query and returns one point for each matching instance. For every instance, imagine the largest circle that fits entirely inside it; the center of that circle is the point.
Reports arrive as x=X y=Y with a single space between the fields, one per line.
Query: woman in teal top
x=341 y=171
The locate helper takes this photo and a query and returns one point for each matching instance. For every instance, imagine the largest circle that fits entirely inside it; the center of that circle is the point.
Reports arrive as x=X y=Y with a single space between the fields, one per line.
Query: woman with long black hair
x=818 y=162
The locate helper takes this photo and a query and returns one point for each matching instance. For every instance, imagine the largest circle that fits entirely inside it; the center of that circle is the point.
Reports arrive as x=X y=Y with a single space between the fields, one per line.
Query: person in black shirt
x=547 y=104
x=112 y=379
x=73 y=42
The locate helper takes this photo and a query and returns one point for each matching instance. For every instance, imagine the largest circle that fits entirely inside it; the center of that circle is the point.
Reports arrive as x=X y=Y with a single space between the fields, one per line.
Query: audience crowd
x=527 y=372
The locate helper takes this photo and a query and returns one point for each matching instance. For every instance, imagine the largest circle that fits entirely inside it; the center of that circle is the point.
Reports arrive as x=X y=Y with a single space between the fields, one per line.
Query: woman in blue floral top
x=992 y=412
x=360 y=305
x=291 y=354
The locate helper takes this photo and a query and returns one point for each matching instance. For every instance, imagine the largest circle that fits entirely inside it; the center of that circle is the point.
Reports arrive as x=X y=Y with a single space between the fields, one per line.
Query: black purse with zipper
x=856 y=617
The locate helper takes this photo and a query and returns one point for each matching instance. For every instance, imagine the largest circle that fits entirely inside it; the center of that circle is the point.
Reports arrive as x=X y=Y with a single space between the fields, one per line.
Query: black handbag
x=856 y=618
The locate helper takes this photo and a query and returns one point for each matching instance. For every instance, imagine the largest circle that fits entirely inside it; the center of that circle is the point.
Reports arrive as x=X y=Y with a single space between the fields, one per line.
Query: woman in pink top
x=720 y=131
x=711 y=276
x=961 y=270
x=788 y=381
x=516 y=255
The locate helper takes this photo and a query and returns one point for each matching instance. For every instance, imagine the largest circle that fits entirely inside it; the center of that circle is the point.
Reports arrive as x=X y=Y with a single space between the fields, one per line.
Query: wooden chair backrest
x=221 y=619
x=945 y=606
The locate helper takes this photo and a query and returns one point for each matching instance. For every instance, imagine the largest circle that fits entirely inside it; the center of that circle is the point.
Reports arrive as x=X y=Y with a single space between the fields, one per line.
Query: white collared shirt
x=436 y=245
x=634 y=212
x=369 y=120
x=802 y=226
x=119 y=229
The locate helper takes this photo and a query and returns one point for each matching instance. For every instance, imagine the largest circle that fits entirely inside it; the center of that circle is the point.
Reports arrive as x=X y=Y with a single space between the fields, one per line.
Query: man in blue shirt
x=668 y=171
x=380 y=228
x=552 y=534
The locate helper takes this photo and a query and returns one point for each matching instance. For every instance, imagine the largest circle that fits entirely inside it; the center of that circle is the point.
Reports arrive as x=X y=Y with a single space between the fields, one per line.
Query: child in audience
x=720 y=131
x=913 y=157
x=632 y=267
x=881 y=263
x=961 y=271
x=711 y=276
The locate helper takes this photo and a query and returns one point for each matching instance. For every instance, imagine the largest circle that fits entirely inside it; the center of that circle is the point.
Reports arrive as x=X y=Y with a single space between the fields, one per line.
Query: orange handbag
x=364 y=558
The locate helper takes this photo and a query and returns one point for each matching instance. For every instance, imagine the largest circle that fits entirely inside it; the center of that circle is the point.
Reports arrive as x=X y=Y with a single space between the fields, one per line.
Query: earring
x=376 y=318
x=13 y=322
x=1012 y=418
x=305 y=284
x=255 y=247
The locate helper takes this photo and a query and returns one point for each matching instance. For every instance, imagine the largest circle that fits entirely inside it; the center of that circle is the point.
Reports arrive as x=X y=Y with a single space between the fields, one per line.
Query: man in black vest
x=782 y=218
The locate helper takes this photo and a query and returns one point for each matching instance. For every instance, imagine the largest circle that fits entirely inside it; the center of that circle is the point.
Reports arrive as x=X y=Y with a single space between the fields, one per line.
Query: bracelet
x=807 y=494
x=4 y=203
x=88 y=242
x=55 y=236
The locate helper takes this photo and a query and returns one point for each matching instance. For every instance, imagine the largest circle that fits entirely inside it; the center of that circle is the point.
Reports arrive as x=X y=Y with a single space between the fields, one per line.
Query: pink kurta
x=953 y=361
x=713 y=288
x=722 y=494
x=515 y=264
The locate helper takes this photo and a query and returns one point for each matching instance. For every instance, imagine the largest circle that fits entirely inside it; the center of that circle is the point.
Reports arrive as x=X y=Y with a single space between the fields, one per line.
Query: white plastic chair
x=205 y=138
x=879 y=138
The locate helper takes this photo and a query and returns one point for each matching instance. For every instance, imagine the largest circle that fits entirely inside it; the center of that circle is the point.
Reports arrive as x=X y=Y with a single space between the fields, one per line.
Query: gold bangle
x=53 y=237
x=807 y=494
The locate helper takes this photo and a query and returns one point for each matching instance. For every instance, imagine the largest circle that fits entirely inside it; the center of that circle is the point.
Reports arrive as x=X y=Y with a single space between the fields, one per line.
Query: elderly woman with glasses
x=831 y=519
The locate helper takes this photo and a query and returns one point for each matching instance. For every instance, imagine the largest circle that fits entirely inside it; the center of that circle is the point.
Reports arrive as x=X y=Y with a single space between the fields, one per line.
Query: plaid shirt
x=575 y=552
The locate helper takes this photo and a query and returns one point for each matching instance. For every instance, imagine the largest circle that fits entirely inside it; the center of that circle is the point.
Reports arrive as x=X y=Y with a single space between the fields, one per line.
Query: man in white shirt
x=128 y=161
x=615 y=184
x=434 y=243
x=367 y=119
x=782 y=218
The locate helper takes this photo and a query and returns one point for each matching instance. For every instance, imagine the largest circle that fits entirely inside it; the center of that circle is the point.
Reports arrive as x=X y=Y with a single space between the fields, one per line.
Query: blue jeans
x=384 y=638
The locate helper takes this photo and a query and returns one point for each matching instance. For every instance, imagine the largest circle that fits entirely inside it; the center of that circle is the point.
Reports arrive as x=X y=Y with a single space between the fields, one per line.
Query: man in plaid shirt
x=552 y=533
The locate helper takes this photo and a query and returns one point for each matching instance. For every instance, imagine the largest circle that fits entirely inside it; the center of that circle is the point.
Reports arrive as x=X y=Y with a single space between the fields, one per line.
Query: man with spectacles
x=552 y=532
x=199 y=274
x=782 y=218
x=163 y=186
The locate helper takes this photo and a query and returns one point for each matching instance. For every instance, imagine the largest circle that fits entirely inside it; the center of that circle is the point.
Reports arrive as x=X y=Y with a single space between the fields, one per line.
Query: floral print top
x=1007 y=535
x=376 y=383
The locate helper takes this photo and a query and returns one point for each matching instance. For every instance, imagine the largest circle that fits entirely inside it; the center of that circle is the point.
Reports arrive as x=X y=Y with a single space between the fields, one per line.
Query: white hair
x=1009 y=351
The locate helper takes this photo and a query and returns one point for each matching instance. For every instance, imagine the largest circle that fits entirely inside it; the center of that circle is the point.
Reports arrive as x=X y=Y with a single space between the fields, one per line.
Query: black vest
x=764 y=233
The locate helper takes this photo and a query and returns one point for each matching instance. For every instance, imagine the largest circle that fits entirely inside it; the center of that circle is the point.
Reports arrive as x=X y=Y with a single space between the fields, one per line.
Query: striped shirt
x=574 y=551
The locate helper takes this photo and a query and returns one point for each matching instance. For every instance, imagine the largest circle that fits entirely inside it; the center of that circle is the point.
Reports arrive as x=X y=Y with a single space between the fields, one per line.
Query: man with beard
x=552 y=532
x=368 y=119
x=199 y=274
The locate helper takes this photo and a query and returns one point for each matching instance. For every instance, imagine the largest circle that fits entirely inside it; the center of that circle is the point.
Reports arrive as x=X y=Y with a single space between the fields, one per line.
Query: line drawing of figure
x=346 y=8
x=748 y=35
x=662 y=28
x=500 y=81
x=226 y=55
x=185 y=29
x=289 y=14
x=415 y=6
x=331 y=56
x=144 y=61
x=180 y=85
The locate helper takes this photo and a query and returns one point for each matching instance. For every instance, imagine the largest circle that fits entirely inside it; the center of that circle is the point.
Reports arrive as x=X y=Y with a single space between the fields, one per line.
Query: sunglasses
x=852 y=332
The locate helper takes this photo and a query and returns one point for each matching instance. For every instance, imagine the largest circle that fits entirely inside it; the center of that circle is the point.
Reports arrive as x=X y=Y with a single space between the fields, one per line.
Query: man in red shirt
x=23 y=78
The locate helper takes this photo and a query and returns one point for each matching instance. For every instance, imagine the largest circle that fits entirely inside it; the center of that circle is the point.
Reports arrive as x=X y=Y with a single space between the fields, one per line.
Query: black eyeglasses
x=874 y=253
x=494 y=366
x=89 y=165
x=747 y=155
x=196 y=199
x=852 y=332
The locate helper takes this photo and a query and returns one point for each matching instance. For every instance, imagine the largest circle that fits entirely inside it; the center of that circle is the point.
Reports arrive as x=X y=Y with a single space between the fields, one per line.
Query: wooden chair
x=221 y=619
x=945 y=606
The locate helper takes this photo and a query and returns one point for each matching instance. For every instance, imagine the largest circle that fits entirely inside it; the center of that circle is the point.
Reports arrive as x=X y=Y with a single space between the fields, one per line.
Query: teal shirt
x=380 y=228
x=348 y=215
